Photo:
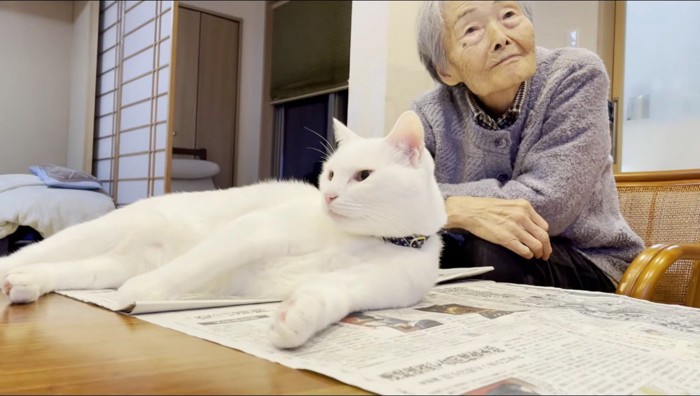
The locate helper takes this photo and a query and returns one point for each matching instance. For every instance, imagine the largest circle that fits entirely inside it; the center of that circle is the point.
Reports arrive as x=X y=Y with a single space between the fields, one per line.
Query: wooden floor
x=59 y=345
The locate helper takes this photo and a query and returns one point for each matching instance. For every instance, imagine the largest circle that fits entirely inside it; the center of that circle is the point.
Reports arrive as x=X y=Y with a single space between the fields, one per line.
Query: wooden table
x=60 y=345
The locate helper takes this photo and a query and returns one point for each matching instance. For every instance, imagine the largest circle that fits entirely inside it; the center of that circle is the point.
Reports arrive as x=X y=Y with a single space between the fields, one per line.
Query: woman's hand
x=513 y=224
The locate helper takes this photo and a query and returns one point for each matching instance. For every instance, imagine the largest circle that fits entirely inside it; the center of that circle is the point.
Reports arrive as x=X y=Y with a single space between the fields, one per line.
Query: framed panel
x=132 y=140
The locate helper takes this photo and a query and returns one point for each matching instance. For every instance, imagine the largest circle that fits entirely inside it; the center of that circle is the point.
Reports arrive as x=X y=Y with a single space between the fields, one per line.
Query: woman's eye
x=362 y=175
x=470 y=31
x=330 y=175
x=508 y=14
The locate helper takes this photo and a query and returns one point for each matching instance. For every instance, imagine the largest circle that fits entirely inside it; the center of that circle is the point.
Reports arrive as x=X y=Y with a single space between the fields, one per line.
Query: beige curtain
x=310 y=48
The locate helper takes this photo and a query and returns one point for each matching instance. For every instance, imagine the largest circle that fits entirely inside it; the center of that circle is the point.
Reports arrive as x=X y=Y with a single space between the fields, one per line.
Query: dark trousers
x=566 y=268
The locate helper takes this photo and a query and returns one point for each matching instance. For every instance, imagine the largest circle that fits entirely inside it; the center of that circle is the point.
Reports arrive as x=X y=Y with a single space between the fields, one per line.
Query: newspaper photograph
x=482 y=337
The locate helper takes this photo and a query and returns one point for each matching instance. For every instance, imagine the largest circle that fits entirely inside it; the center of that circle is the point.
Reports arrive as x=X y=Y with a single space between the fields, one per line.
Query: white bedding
x=25 y=200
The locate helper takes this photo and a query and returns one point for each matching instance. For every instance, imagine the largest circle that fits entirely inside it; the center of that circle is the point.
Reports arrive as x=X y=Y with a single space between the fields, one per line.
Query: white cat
x=324 y=253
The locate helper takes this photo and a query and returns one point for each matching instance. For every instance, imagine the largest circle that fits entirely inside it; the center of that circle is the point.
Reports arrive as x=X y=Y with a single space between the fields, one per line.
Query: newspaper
x=110 y=299
x=481 y=337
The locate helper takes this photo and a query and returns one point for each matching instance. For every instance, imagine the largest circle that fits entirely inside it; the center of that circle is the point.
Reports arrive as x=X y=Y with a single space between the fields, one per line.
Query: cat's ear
x=343 y=133
x=407 y=136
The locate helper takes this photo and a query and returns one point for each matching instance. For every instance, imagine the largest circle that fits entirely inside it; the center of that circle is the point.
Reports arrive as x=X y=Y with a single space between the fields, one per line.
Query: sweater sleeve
x=558 y=173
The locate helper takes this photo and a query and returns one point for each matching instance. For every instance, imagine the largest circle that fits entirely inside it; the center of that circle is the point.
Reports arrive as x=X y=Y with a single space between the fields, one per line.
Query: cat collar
x=414 y=241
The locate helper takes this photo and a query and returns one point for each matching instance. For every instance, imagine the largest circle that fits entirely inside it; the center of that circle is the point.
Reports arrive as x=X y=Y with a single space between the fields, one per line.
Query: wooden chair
x=664 y=209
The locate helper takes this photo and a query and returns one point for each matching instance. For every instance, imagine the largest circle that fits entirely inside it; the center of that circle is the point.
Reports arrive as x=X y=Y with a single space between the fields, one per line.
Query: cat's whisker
x=324 y=155
x=326 y=144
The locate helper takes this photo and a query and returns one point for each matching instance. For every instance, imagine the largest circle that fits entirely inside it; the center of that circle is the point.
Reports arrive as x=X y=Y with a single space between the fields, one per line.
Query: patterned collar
x=504 y=121
x=415 y=241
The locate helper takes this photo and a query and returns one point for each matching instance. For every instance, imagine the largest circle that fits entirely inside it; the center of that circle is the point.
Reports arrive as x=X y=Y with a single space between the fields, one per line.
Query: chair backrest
x=664 y=207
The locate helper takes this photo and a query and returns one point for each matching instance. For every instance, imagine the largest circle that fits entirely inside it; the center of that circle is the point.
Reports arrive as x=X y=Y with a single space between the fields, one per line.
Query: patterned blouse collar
x=504 y=121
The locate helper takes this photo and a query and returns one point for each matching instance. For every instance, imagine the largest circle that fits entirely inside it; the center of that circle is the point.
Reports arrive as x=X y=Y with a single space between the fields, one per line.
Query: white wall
x=83 y=77
x=385 y=72
x=35 y=46
x=407 y=79
x=252 y=14
x=368 y=66
x=553 y=20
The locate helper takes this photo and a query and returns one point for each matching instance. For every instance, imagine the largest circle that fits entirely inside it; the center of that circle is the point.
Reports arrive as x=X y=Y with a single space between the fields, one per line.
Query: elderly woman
x=521 y=142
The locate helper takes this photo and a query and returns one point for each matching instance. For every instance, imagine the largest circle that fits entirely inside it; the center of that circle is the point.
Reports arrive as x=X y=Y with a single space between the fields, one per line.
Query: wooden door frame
x=239 y=60
x=618 y=79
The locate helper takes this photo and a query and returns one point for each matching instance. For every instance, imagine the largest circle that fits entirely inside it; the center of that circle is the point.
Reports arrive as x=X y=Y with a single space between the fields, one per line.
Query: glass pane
x=162 y=111
x=137 y=90
x=161 y=136
x=158 y=187
x=164 y=80
x=136 y=115
x=139 y=15
x=103 y=169
x=103 y=148
x=133 y=166
x=105 y=126
x=105 y=82
x=105 y=104
x=135 y=141
x=108 y=39
x=130 y=191
x=108 y=60
x=164 y=55
x=166 y=23
x=159 y=168
x=661 y=107
x=109 y=16
x=138 y=65
x=140 y=39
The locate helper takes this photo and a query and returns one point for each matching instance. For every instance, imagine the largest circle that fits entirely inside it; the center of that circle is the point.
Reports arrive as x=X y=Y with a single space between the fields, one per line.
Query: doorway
x=655 y=86
x=206 y=89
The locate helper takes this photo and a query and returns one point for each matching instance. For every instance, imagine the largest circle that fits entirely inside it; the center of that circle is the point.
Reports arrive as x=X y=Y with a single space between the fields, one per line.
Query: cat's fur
x=323 y=257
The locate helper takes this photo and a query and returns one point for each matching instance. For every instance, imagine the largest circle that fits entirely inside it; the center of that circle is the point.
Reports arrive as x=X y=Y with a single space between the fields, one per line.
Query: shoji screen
x=132 y=144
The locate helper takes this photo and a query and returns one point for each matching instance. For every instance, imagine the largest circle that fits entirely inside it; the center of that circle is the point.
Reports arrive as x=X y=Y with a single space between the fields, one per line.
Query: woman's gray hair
x=431 y=28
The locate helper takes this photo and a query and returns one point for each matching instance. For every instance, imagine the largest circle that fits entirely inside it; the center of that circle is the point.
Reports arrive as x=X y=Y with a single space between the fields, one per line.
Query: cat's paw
x=25 y=286
x=297 y=320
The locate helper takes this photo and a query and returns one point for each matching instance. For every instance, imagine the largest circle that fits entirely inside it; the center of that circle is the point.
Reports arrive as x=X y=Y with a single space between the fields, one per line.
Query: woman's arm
x=560 y=170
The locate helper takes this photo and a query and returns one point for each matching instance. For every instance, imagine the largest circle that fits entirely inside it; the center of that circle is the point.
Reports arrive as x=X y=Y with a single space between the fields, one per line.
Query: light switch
x=572 y=38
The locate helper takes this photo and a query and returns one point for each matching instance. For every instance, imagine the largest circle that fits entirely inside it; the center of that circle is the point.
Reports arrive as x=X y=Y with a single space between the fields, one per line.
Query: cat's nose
x=330 y=197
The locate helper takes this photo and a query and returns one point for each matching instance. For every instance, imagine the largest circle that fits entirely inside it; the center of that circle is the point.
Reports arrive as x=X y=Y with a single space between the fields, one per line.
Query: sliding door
x=132 y=128
x=656 y=88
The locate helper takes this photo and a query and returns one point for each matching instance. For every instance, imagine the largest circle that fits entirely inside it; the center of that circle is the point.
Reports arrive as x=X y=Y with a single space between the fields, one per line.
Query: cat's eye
x=330 y=175
x=362 y=175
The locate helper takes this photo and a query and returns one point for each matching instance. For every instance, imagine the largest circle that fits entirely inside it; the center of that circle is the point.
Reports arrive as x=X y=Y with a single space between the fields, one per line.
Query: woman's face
x=490 y=45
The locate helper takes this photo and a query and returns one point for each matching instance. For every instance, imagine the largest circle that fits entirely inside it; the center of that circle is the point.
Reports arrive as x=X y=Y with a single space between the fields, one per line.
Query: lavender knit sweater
x=556 y=155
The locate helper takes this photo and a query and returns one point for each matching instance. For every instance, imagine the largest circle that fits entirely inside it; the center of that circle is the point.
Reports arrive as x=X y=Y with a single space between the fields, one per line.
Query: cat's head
x=383 y=186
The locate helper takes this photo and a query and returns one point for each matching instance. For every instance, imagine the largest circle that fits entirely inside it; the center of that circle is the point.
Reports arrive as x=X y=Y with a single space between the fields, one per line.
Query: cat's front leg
x=304 y=314
x=393 y=282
